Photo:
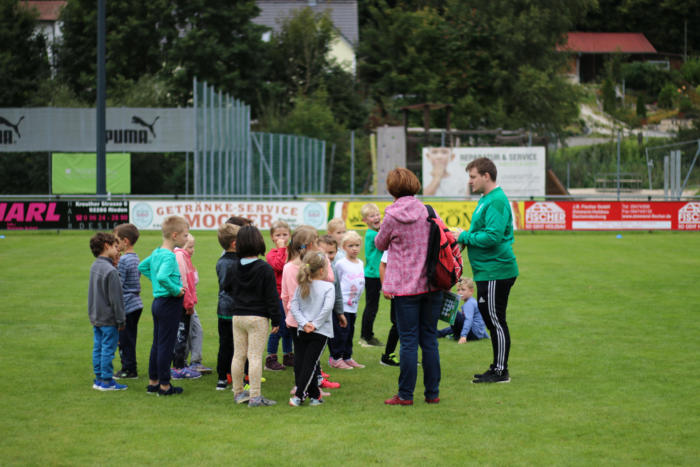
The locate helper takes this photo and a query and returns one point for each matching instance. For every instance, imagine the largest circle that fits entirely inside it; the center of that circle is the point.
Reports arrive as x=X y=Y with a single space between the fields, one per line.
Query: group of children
x=308 y=292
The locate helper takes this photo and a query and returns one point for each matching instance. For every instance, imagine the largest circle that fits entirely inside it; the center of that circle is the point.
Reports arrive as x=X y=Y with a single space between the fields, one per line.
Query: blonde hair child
x=351 y=276
x=312 y=307
x=336 y=228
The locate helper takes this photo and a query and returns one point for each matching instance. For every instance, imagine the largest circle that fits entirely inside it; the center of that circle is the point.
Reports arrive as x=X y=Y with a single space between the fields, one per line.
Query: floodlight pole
x=101 y=96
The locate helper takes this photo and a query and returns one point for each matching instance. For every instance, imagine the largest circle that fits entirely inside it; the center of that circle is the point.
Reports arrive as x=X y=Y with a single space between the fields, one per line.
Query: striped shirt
x=131 y=282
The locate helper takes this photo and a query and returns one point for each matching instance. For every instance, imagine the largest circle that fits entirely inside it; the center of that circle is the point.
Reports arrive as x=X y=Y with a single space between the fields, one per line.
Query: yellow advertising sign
x=455 y=214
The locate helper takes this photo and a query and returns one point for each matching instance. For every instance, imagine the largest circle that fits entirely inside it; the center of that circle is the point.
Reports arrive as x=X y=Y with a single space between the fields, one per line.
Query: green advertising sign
x=75 y=173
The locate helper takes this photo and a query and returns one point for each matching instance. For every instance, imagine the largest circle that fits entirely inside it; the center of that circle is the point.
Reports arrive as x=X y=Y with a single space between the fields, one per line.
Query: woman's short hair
x=402 y=182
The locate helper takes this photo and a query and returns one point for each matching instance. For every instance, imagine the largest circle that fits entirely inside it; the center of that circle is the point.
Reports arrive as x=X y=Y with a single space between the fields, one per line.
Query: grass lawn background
x=604 y=368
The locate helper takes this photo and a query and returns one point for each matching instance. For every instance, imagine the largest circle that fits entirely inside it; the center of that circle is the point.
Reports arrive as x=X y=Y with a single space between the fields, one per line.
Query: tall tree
x=662 y=22
x=219 y=43
x=23 y=58
x=495 y=60
x=135 y=37
x=214 y=40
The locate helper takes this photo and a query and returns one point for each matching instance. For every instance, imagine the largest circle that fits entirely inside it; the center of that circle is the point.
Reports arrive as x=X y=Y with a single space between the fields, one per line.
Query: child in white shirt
x=351 y=275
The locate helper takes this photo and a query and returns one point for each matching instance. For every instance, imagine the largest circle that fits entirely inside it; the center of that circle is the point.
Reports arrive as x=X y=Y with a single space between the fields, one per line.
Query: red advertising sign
x=612 y=215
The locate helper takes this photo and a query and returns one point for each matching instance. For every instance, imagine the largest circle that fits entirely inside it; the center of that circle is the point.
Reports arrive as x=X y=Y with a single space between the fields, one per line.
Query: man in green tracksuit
x=489 y=241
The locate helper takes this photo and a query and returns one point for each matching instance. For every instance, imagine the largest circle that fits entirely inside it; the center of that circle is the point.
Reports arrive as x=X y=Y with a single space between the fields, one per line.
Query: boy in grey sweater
x=105 y=309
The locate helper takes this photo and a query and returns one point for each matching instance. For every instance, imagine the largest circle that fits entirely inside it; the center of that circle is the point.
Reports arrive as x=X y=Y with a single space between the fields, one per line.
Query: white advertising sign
x=521 y=170
x=208 y=215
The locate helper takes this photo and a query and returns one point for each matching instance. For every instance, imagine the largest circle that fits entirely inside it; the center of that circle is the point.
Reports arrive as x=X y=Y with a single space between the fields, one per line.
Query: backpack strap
x=431 y=211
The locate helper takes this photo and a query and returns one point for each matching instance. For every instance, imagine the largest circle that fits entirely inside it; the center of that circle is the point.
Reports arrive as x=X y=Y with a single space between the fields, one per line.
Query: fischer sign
x=612 y=215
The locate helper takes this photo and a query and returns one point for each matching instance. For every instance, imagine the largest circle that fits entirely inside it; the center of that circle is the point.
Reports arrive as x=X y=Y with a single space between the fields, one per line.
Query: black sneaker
x=496 y=376
x=173 y=390
x=485 y=373
x=221 y=385
x=374 y=342
x=152 y=389
x=389 y=360
x=126 y=374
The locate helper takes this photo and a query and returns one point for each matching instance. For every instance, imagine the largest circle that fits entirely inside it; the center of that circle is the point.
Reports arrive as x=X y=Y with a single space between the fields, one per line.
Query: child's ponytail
x=313 y=262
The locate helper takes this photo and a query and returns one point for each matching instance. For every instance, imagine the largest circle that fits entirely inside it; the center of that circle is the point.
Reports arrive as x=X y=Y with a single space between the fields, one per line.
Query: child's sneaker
x=126 y=374
x=315 y=402
x=374 y=342
x=389 y=360
x=221 y=385
x=184 y=373
x=242 y=397
x=329 y=384
x=260 y=401
x=199 y=368
x=272 y=364
x=171 y=391
x=288 y=359
x=325 y=375
x=111 y=385
x=295 y=401
x=152 y=389
x=353 y=364
x=96 y=384
x=339 y=364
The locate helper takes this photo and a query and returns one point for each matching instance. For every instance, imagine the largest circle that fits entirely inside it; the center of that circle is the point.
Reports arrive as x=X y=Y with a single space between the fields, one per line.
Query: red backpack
x=444 y=260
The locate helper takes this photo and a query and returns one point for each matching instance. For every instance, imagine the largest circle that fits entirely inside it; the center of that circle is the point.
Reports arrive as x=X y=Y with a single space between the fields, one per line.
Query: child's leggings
x=307 y=354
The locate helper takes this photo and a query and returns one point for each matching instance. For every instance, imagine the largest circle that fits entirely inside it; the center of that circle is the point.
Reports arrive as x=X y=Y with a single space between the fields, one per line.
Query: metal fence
x=230 y=160
x=288 y=165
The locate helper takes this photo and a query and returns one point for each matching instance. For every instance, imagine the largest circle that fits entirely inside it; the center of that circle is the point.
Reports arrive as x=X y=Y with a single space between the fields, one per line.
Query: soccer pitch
x=605 y=331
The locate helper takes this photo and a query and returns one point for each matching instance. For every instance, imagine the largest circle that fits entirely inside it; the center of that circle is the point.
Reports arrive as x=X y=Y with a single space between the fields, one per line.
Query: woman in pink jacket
x=404 y=233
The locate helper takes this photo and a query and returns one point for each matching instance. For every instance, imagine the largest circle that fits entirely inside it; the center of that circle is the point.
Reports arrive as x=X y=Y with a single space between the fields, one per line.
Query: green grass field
x=606 y=336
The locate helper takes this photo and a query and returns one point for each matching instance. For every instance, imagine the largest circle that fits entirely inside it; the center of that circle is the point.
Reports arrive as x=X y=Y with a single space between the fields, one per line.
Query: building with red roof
x=589 y=49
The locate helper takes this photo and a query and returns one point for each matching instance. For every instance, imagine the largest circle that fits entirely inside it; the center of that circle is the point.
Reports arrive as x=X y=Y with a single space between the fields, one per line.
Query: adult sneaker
x=353 y=364
x=485 y=373
x=171 y=391
x=152 y=389
x=110 y=385
x=260 y=401
x=496 y=376
x=272 y=364
x=96 y=384
x=339 y=364
x=389 y=360
x=396 y=400
x=184 y=373
x=242 y=397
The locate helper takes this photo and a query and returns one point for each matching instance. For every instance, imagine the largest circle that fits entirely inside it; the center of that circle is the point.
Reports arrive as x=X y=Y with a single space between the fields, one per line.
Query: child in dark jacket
x=256 y=303
x=224 y=310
